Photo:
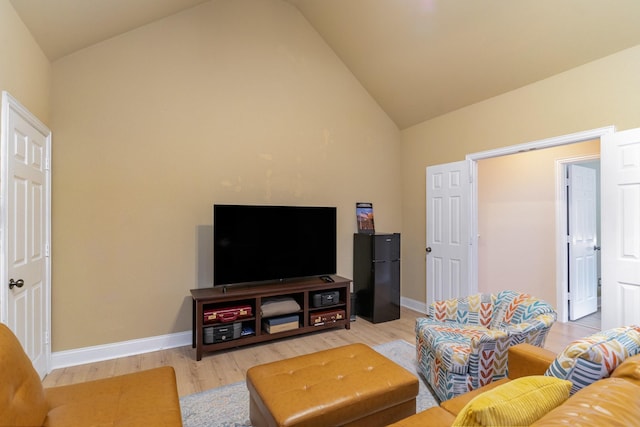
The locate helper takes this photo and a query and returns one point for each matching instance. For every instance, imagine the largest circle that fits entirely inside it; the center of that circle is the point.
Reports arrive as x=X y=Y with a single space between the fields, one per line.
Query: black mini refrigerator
x=376 y=276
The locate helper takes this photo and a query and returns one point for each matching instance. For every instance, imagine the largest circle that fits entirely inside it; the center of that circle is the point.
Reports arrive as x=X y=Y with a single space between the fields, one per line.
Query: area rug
x=228 y=406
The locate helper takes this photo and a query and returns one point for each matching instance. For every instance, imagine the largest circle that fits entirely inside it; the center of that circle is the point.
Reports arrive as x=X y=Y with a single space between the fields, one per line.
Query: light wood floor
x=226 y=367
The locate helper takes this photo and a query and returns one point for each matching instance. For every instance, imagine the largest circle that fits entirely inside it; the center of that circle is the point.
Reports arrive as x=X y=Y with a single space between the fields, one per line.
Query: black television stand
x=301 y=290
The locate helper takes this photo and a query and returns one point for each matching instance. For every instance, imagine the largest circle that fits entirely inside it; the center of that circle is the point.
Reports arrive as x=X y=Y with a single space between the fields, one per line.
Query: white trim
x=513 y=149
x=556 y=141
x=4 y=278
x=26 y=114
x=99 y=353
x=419 y=306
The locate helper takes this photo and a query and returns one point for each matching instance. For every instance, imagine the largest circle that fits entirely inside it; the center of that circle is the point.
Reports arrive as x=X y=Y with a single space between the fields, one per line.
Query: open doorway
x=518 y=205
x=620 y=210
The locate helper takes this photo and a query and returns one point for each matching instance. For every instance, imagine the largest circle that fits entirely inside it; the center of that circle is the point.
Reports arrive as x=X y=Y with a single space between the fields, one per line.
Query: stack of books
x=274 y=325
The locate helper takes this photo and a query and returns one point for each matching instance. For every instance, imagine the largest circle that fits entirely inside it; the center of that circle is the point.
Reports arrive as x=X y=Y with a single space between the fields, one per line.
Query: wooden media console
x=250 y=330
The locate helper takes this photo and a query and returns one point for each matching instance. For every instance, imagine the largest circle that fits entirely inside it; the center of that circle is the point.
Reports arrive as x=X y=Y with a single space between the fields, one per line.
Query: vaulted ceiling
x=417 y=58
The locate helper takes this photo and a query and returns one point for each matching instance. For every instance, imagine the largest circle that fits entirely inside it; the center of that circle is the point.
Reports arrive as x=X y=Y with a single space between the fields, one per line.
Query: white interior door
x=26 y=268
x=582 y=241
x=448 y=231
x=620 y=186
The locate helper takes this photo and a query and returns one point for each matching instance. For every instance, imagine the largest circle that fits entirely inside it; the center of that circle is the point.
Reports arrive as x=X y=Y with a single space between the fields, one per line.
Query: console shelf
x=302 y=290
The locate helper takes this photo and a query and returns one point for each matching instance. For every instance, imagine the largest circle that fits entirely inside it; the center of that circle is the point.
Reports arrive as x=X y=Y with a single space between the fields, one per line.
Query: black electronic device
x=326 y=279
x=323 y=299
x=253 y=244
x=214 y=334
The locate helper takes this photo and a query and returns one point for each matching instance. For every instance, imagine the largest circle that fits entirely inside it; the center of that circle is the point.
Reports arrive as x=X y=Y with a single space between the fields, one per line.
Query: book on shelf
x=364 y=217
x=274 y=325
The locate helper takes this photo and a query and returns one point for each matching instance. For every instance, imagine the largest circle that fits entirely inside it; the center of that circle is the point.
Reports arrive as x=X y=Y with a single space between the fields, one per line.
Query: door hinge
x=46 y=338
x=46 y=164
x=46 y=250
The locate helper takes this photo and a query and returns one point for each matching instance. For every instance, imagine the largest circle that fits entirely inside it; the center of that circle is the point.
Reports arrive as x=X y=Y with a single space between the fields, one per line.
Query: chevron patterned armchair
x=463 y=343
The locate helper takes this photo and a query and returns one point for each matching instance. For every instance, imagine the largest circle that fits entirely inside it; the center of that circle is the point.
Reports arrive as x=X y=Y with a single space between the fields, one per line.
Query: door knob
x=19 y=283
x=428 y=249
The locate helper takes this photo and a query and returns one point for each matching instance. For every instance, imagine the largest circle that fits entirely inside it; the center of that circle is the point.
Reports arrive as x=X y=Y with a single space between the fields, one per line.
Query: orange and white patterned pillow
x=589 y=359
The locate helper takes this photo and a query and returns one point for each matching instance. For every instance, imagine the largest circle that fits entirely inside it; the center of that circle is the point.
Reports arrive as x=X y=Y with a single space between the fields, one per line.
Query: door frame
x=557 y=141
x=10 y=103
x=562 y=253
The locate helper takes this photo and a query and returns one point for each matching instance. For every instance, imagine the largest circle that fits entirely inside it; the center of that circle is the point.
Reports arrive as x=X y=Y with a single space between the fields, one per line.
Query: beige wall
x=229 y=102
x=517 y=219
x=25 y=72
x=242 y=102
x=601 y=93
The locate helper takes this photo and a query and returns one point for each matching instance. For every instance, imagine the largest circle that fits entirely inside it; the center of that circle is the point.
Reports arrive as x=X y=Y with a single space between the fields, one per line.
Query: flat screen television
x=272 y=243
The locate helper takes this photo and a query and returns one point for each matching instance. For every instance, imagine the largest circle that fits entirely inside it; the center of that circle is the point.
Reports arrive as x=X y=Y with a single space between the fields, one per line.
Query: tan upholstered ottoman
x=351 y=385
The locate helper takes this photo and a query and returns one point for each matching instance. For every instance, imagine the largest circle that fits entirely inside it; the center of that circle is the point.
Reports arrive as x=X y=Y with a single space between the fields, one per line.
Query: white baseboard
x=99 y=353
x=80 y=356
x=419 y=306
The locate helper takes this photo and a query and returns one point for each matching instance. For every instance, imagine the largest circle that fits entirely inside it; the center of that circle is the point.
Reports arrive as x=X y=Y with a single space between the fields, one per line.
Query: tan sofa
x=613 y=401
x=146 y=398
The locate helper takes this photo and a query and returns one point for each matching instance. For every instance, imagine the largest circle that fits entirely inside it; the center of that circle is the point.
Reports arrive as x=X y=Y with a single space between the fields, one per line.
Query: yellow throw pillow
x=517 y=403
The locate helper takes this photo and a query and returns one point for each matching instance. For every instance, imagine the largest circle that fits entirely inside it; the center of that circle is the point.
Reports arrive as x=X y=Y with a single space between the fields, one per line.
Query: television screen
x=268 y=243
